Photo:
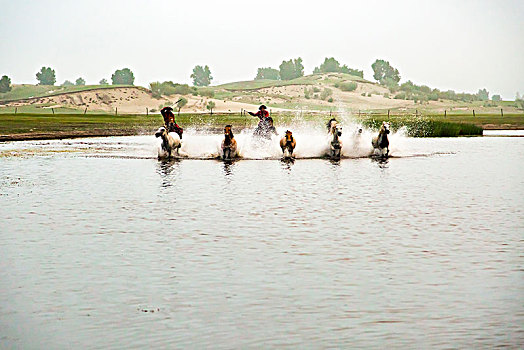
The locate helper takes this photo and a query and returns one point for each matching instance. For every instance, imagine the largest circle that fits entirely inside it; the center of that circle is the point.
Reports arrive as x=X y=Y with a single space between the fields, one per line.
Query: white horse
x=170 y=142
x=334 y=132
x=380 y=142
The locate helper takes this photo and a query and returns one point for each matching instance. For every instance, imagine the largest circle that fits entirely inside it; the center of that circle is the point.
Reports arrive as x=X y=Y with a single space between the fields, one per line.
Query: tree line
x=383 y=72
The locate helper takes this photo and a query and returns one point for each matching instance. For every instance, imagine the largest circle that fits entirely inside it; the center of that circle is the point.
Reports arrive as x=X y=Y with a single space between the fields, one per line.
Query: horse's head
x=227 y=131
x=160 y=132
x=289 y=136
x=384 y=129
x=337 y=130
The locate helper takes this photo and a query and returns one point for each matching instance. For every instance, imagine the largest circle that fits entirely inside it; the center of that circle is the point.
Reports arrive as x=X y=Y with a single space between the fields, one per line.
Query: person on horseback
x=170 y=122
x=262 y=113
x=265 y=125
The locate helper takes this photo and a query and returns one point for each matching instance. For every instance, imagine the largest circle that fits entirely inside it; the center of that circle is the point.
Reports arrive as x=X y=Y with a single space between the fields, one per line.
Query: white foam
x=312 y=142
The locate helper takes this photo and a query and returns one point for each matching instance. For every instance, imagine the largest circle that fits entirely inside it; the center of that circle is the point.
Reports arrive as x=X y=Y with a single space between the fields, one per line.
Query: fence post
x=445 y=114
x=85 y=111
x=53 y=110
x=473 y=112
x=116 y=110
x=501 y=112
x=16 y=110
x=359 y=113
x=147 y=111
x=388 y=114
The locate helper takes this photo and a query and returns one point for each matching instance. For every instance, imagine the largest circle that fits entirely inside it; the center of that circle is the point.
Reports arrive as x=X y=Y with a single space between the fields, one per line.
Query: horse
x=380 y=142
x=170 y=142
x=288 y=144
x=335 y=132
x=229 y=144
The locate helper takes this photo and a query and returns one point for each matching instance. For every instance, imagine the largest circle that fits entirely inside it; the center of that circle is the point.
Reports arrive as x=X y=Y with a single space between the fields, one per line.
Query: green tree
x=329 y=65
x=80 y=81
x=210 y=105
x=496 y=98
x=483 y=95
x=67 y=83
x=181 y=103
x=46 y=76
x=123 y=77
x=201 y=76
x=156 y=90
x=384 y=73
x=103 y=82
x=268 y=73
x=291 y=69
x=332 y=65
x=5 y=84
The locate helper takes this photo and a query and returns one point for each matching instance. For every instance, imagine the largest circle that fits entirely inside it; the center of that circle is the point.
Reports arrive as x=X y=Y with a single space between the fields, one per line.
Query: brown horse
x=288 y=144
x=380 y=142
x=229 y=144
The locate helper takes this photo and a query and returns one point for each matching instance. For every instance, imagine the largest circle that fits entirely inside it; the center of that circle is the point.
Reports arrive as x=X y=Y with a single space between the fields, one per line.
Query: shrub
x=330 y=99
x=348 y=86
x=315 y=89
x=206 y=93
x=326 y=93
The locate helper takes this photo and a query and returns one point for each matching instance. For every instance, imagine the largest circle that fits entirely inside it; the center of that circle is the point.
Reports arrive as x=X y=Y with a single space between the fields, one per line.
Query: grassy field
x=38 y=126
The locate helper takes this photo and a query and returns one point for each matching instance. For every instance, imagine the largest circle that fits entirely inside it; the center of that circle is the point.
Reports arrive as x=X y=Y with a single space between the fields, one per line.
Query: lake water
x=104 y=246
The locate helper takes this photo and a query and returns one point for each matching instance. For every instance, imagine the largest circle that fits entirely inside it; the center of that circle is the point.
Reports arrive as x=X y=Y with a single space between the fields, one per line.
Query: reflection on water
x=168 y=169
x=422 y=250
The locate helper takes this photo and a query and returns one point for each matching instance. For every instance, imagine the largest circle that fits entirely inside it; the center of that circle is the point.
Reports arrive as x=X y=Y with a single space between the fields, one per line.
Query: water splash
x=312 y=142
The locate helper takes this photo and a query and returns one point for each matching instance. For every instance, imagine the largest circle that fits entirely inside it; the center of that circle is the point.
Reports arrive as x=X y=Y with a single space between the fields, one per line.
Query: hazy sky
x=460 y=45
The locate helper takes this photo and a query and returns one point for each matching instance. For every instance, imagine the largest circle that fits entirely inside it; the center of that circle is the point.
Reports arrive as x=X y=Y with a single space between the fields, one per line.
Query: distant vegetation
x=80 y=82
x=268 y=73
x=331 y=65
x=5 y=84
x=169 y=88
x=46 y=76
x=385 y=74
x=201 y=76
x=123 y=77
x=103 y=82
x=210 y=105
x=291 y=69
x=423 y=93
x=347 y=86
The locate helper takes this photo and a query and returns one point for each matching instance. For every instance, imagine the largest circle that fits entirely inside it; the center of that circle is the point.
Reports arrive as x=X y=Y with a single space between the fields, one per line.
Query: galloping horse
x=170 y=142
x=380 y=142
x=288 y=144
x=229 y=144
x=335 y=132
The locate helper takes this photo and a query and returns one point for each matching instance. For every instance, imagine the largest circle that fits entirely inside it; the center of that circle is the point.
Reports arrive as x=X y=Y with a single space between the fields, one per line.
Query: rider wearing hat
x=169 y=121
x=262 y=113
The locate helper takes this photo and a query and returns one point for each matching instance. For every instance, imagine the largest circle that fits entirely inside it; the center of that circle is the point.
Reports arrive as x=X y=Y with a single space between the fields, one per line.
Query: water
x=104 y=246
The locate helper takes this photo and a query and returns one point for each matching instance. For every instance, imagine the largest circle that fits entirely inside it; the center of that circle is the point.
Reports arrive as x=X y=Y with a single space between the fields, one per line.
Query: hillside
x=316 y=92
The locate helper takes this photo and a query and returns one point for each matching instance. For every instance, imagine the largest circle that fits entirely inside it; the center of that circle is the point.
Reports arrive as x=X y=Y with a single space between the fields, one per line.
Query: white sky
x=461 y=45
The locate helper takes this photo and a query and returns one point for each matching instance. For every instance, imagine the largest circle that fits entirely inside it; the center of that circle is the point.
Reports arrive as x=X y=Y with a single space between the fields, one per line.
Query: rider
x=265 y=124
x=170 y=122
x=262 y=113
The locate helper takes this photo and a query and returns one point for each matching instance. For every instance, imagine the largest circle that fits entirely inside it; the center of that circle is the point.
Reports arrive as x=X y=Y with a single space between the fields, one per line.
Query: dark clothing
x=174 y=127
x=264 y=129
x=261 y=114
x=169 y=121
